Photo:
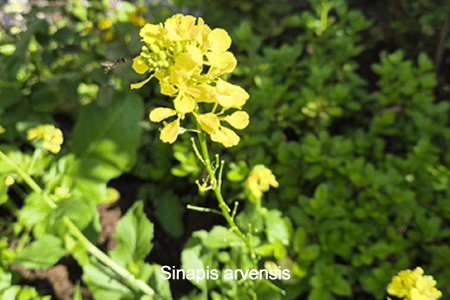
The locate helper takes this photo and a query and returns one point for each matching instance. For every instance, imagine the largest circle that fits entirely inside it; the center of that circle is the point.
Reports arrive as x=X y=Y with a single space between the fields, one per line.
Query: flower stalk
x=217 y=192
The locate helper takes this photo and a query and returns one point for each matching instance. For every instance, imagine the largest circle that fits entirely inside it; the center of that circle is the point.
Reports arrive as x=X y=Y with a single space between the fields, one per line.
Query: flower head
x=412 y=285
x=187 y=58
x=48 y=136
x=259 y=180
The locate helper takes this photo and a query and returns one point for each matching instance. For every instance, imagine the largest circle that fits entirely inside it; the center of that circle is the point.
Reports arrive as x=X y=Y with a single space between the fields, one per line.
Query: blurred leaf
x=220 y=237
x=276 y=228
x=134 y=234
x=169 y=212
x=41 y=254
x=190 y=260
x=106 y=141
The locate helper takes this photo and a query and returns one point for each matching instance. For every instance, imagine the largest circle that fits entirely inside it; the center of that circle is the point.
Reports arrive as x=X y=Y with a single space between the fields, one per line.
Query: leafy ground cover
x=348 y=109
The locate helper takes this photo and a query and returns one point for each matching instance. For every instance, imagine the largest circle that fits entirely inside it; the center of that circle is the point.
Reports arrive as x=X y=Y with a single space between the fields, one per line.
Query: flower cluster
x=412 y=285
x=259 y=180
x=188 y=58
x=48 y=136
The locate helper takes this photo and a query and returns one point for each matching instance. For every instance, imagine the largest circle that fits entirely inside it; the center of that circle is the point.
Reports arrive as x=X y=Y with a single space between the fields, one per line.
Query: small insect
x=111 y=65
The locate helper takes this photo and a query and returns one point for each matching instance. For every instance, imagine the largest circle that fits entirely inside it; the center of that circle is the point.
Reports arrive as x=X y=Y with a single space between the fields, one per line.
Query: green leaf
x=156 y=281
x=104 y=283
x=309 y=253
x=320 y=294
x=134 y=233
x=41 y=254
x=340 y=286
x=191 y=260
x=36 y=213
x=106 y=142
x=299 y=239
x=170 y=213
x=276 y=228
x=45 y=98
x=10 y=96
x=220 y=237
x=425 y=63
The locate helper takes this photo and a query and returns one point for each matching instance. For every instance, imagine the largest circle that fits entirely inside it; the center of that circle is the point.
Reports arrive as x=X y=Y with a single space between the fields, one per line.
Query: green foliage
x=362 y=165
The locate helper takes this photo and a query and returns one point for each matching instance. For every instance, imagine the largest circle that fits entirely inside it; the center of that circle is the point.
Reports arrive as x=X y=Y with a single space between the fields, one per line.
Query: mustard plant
x=413 y=285
x=188 y=59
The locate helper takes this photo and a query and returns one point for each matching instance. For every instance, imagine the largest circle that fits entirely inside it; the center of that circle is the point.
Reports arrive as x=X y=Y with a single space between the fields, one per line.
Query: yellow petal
x=219 y=39
x=202 y=93
x=140 y=84
x=139 y=65
x=239 y=119
x=225 y=136
x=149 y=30
x=209 y=122
x=170 y=132
x=184 y=104
x=161 y=113
x=416 y=295
x=230 y=95
x=221 y=63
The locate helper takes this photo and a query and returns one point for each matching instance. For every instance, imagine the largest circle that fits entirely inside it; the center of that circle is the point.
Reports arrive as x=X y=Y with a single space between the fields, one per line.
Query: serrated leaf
x=104 y=283
x=156 y=281
x=134 y=233
x=41 y=254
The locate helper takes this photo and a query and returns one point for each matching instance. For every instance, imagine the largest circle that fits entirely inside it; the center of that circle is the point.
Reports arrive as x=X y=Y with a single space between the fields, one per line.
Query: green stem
x=203 y=209
x=135 y=283
x=36 y=154
x=223 y=206
x=323 y=16
x=33 y=185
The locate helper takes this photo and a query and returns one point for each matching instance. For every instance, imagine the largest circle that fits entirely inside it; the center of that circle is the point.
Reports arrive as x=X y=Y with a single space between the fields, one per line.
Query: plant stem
x=33 y=185
x=216 y=188
x=135 y=283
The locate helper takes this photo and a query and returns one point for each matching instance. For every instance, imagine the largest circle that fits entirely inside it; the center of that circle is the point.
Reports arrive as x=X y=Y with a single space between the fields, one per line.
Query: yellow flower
x=48 y=136
x=104 y=24
x=181 y=43
x=171 y=130
x=412 y=285
x=2 y=129
x=177 y=53
x=108 y=35
x=135 y=17
x=10 y=179
x=259 y=180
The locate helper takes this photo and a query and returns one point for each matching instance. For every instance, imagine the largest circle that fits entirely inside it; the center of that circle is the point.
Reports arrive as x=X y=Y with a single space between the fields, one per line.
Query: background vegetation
x=349 y=109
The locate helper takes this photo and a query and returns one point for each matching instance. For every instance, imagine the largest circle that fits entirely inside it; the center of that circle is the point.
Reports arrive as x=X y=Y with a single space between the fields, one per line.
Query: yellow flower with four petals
x=187 y=58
